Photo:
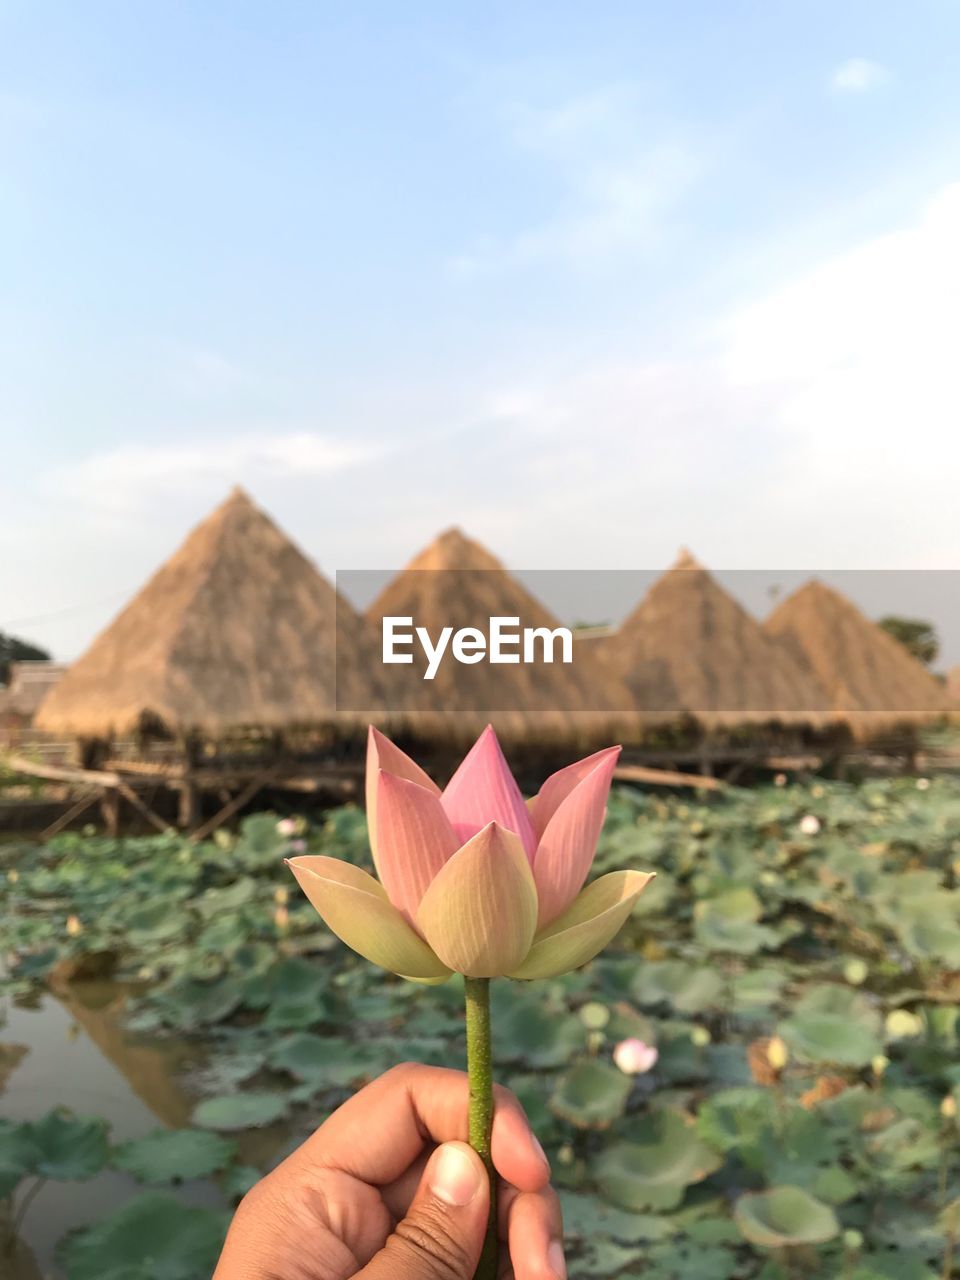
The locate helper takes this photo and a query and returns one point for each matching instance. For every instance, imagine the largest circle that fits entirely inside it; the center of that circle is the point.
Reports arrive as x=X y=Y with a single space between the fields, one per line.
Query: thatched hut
x=236 y=631
x=29 y=684
x=690 y=650
x=457 y=583
x=870 y=679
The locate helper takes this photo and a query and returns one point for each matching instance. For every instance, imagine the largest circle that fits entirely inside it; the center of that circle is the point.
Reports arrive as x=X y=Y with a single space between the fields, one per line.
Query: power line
x=88 y=607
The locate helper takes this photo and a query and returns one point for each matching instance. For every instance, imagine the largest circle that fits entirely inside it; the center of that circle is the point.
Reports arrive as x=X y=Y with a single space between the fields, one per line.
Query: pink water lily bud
x=472 y=879
x=634 y=1057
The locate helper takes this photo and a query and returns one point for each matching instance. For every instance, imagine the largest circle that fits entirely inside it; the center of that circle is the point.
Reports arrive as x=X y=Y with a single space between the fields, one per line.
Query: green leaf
x=330 y=1061
x=687 y=988
x=833 y=1024
x=728 y=922
x=65 y=1148
x=785 y=1216
x=174 y=1155
x=151 y=1238
x=238 y=1111
x=653 y=1169
x=17 y=1155
x=239 y=1179
x=529 y=1031
x=592 y=1095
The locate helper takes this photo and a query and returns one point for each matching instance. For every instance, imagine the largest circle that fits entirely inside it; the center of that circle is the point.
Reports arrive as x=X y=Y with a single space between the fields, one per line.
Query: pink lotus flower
x=634 y=1057
x=473 y=880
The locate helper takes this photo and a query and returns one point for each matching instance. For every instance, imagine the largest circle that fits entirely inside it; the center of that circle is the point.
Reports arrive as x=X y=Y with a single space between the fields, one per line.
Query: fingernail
x=455 y=1177
x=539 y=1149
x=556 y=1260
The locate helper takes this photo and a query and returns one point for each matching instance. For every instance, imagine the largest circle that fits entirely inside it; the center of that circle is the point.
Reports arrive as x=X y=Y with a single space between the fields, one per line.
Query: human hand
x=387 y=1189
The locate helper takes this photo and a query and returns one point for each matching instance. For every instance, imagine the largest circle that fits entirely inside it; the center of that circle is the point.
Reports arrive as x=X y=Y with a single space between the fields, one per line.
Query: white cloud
x=858 y=75
x=815 y=426
x=121 y=481
x=618 y=178
x=858 y=362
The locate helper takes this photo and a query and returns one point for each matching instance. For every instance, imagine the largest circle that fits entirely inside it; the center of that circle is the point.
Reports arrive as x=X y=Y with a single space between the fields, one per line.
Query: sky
x=590 y=281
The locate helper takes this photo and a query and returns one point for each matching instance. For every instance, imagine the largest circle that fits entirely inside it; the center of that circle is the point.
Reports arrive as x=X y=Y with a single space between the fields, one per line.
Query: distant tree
x=13 y=649
x=916 y=636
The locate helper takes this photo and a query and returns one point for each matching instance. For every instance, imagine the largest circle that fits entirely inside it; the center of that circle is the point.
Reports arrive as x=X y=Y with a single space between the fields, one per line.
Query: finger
x=535 y=1235
x=442 y=1234
x=398 y=1196
x=382 y=1130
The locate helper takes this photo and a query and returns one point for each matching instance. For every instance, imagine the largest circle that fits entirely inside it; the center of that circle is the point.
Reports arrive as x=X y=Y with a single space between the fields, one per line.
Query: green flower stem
x=480 y=1074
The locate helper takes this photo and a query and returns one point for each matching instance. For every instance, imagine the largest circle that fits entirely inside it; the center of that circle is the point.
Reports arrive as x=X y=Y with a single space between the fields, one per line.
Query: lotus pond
x=175 y=1019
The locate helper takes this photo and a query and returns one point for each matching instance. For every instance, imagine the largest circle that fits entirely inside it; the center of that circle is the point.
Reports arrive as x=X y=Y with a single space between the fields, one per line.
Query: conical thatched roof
x=864 y=671
x=689 y=648
x=237 y=629
x=457 y=583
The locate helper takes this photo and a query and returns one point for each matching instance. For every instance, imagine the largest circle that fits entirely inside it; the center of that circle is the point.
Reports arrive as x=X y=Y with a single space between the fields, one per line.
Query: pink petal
x=480 y=913
x=559 y=785
x=483 y=790
x=385 y=755
x=414 y=840
x=569 y=841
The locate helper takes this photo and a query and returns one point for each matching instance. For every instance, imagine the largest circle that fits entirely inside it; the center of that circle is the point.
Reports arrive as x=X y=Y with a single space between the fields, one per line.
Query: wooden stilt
x=110 y=810
x=188 y=810
x=143 y=809
x=243 y=797
x=75 y=810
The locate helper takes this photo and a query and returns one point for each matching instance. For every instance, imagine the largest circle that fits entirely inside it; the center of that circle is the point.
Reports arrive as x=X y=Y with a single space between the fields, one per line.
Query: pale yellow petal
x=356 y=908
x=585 y=928
x=480 y=912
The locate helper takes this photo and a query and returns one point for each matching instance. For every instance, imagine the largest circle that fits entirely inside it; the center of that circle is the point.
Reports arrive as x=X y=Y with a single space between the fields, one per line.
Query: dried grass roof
x=236 y=630
x=456 y=582
x=689 y=648
x=865 y=672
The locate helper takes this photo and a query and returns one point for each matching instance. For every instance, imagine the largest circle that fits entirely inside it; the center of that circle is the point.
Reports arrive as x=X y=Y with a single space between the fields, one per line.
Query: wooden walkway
x=125 y=781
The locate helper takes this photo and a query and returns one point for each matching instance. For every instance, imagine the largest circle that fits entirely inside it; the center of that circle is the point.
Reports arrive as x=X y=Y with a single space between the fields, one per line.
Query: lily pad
x=688 y=988
x=66 y=1148
x=235 y=1112
x=531 y=1032
x=785 y=1216
x=653 y=1169
x=592 y=1095
x=834 y=1024
x=154 y=1237
x=728 y=922
x=175 y=1155
x=758 y=987
x=330 y=1061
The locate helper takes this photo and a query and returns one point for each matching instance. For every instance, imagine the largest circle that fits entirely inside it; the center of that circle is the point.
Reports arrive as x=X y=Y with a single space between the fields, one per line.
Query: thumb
x=442 y=1234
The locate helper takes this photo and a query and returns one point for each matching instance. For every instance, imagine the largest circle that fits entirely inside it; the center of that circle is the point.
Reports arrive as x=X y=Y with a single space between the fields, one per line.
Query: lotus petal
x=356 y=908
x=480 y=913
x=414 y=840
x=568 y=843
x=386 y=755
x=585 y=927
x=484 y=790
x=559 y=785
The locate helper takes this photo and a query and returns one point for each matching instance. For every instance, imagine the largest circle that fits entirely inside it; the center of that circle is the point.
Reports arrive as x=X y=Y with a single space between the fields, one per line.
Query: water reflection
x=80 y=1057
